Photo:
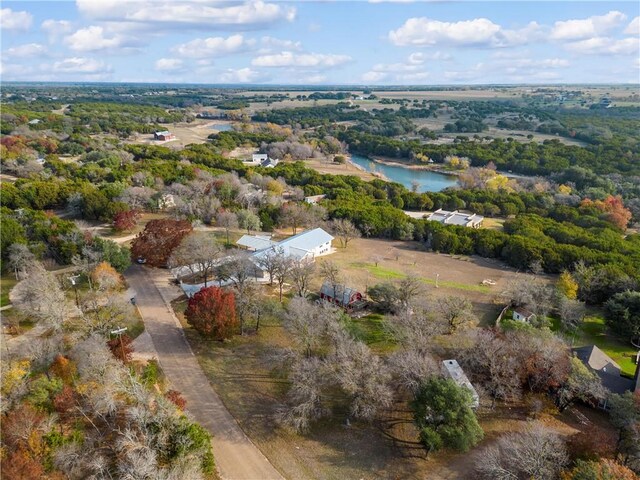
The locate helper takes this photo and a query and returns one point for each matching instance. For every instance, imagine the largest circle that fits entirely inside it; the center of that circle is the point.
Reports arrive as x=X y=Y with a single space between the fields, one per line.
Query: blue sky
x=329 y=42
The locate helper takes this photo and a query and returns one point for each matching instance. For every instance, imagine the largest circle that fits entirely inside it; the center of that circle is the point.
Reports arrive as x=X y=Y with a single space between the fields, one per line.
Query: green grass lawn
x=7 y=282
x=371 y=330
x=390 y=274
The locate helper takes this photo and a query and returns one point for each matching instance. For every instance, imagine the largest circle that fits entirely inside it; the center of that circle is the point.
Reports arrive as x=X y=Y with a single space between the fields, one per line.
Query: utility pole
x=437 y=278
x=119 y=332
x=74 y=282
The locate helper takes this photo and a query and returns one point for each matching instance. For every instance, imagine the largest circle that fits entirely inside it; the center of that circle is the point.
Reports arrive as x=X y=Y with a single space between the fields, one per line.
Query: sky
x=377 y=42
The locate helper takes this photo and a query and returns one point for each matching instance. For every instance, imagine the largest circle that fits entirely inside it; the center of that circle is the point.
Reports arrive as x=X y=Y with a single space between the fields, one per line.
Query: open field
x=324 y=166
x=455 y=275
x=186 y=133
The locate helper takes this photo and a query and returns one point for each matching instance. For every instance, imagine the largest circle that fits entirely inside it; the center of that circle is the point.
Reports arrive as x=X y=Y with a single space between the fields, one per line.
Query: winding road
x=237 y=458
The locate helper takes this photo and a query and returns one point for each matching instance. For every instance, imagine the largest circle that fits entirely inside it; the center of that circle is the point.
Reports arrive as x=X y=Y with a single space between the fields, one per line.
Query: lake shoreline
x=395 y=162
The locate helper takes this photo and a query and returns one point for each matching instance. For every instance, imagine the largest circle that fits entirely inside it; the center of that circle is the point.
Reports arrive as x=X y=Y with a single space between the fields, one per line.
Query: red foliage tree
x=212 y=312
x=125 y=221
x=121 y=347
x=159 y=239
x=64 y=401
x=176 y=398
x=20 y=465
x=612 y=208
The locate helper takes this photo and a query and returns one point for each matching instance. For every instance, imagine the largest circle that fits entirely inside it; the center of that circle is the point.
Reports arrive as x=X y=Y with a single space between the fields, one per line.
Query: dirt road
x=237 y=458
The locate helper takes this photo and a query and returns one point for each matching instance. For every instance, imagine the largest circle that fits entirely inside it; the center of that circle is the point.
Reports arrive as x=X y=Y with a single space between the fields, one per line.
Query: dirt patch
x=324 y=166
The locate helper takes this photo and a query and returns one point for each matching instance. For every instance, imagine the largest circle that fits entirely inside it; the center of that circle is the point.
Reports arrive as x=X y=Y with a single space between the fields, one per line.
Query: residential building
x=452 y=369
x=255 y=242
x=306 y=245
x=313 y=199
x=470 y=220
x=606 y=369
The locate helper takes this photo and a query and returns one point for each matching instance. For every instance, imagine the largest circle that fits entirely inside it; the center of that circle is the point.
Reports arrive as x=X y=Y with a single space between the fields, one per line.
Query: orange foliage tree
x=63 y=368
x=212 y=312
x=159 y=239
x=612 y=210
x=121 y=347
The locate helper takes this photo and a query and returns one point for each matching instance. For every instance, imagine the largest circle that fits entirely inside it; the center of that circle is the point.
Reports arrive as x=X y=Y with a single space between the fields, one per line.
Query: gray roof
x=605 y=367
x=453 y=370
x=343 y=294
x=257 y=242
x=455 y=217
x=301 y=244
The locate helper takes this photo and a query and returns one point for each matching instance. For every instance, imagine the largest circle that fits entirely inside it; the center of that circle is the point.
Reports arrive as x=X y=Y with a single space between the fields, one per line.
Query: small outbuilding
x=521 y=314
x=452 y=369
x=340 y=295
x=163 y=136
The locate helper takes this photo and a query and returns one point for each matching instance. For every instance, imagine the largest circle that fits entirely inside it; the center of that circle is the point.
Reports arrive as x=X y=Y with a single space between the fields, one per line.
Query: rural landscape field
x=257 y=240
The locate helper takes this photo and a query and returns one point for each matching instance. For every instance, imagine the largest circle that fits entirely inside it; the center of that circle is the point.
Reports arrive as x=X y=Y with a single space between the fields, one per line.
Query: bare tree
x=302 y=271
x=249 y=220
x=531 y=292
x=240 y=270
x=411 y=368
x=572 y=313
x=20 y=259
x=198 y=252
x=409 y=288
x=269 y=261
x=345 y=230
x=456 y=311
x=536 y=452
x=307 y=322
x=40 y=295
x=227 y=220
x=282 y=272
x=582 y=384
x=294 y=215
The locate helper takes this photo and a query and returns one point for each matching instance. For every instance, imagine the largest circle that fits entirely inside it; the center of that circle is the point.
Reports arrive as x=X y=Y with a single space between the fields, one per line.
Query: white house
x=456 y=218
x=257 y=159
x=523 y=315
x=303 y=246
x=313 y=199
x=255 y=242
x=452 y=369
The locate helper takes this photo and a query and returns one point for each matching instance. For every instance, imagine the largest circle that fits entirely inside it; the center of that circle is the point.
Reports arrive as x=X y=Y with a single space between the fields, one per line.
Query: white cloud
x=80 y=65
x=605 y=46
x=634 y=27
x=25 y=51
x=213 y=46
x=241 y=75
x=480 y=32
x=317 y=78
x=56 y=28
x=302 y=60
x=15 y=21
x=419 y=58
x=276 y=43
x=169 y=64
x=374 y=77
x=188 y=13
x=95 y=38
x=588 y=27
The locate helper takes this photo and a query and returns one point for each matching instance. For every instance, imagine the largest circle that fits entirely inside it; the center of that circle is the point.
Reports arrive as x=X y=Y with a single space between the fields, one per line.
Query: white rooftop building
x=456 y=218
x=306 y=245
x=452 y=369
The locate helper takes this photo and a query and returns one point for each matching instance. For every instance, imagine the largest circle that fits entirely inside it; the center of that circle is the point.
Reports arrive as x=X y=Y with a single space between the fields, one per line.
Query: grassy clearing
x=390 y=274
x=493 y=223
x=7 y=282
x=371 y=330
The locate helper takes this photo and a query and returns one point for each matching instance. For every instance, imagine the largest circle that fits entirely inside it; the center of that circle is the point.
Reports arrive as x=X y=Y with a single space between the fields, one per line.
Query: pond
x=221 y=127
x=427 y=181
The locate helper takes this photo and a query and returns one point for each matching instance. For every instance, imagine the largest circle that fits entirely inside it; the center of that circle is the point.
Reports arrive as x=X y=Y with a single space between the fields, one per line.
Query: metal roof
x=257 y=242
x=455 y=217
x=453 y=369
x=301 y=244
x=342 y=294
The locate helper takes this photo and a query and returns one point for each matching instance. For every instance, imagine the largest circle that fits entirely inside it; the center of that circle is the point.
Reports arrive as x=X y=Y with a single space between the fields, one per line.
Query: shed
x=521 y=314
x=452 y=369
x=340 y=295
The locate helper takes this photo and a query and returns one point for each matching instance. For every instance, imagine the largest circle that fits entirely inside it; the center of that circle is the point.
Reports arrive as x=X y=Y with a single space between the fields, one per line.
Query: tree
x=302 y=271
x=294 y=215
x=345 y=230
x=159 y=239
x=40 y=296
x=212 y=312
x=249 y=220
x=269 y=261
x=572 y=313
x=443 y=414
x=282 y=272
x=20 y=259
x=198 y=252
x=456 y=311
x=582 y=384
x=567 y=285
x=603 y=469
x=121 y=347
x=125 y=221
x=307 y=322
x=537 y=452
x=622 y=313
x=625 y=417
x=531 y=292
x=106 y=277
x=240 y=270
x=227 y=220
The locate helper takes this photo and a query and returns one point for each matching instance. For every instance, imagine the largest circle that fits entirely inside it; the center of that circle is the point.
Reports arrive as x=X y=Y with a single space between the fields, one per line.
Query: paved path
x=237 y=458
